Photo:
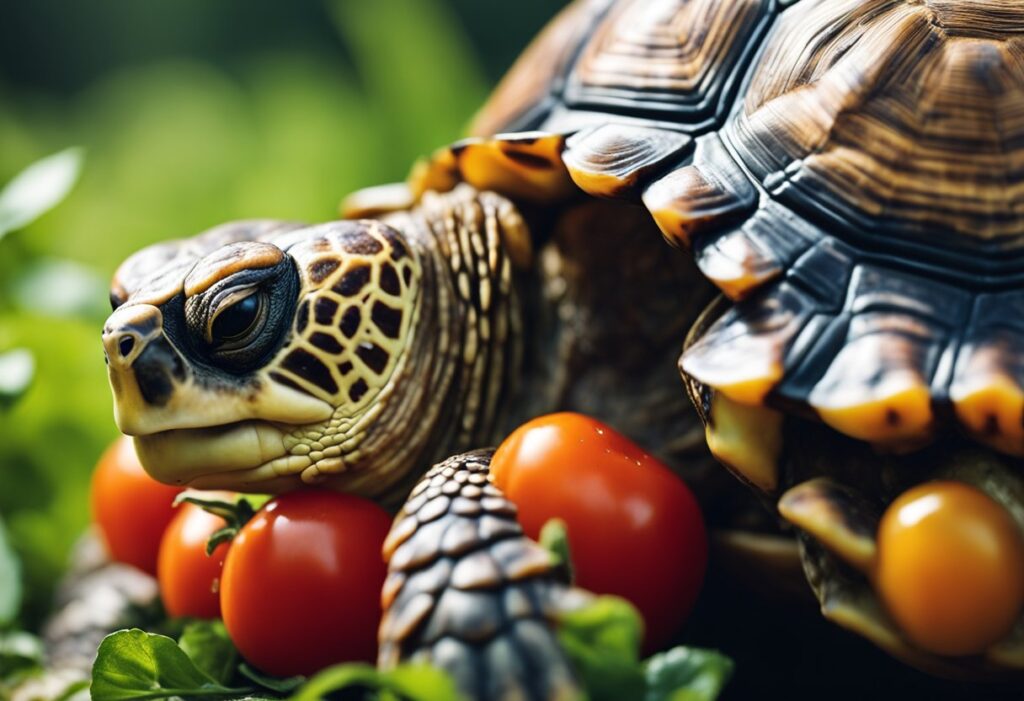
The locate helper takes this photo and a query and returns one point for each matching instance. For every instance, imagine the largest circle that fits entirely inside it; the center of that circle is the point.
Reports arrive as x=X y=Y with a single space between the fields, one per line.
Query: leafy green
x=686 y=674
x=208 y=646
x=62 y=288
x=38 y=188
x=407 y=682
x=136 y=665
x=19 y=651
x=17 y=367
x=601 y=641
x=280 y=685
x=554 y=537
x=10 y=581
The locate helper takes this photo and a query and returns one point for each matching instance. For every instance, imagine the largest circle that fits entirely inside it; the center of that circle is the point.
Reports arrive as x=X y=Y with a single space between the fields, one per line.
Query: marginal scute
x=741 y=355
x=743 y=259
x=837 y=517
x=702 y=196
x=986 y=389
x=613 y=160
x=439 y=172
x=525 y=165
x=747 y=440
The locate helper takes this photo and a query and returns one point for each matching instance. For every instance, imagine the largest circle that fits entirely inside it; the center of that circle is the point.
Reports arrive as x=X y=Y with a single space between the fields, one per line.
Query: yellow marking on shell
x=747 y=439
x=229 y=259
x=736 y=265
x=746 y=375
x=993 y=412
x=899 y=411
x=439 y=172
x=807 y=507
x=610 y=160
x=752 y=389
x=527 y=166
x=669 y=203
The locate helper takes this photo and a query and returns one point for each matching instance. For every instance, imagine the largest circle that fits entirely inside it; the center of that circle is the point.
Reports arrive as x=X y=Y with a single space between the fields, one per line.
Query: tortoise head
x=260 y=355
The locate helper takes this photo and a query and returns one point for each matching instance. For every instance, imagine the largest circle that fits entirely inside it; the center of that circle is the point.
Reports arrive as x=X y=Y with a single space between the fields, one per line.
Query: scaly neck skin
x=465 y=352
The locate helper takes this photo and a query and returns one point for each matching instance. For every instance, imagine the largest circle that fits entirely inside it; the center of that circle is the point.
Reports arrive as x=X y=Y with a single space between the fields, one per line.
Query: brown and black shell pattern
x=850 y=174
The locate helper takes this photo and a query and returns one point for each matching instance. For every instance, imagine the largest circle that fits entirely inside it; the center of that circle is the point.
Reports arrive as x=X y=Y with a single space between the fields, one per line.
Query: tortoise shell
x=848 y=173
x=850 y=170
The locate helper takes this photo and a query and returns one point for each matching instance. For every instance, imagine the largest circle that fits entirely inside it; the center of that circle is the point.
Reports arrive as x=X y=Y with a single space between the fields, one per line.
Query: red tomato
x=131 y=508
x=189 y=578
x=302 y=580
x=635 y=529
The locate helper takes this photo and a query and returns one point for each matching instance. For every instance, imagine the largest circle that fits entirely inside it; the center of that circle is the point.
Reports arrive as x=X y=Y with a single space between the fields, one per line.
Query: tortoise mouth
x=245 y=456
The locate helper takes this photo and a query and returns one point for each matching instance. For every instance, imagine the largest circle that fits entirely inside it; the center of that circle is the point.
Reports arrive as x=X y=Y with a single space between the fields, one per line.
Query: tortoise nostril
x=125 y=345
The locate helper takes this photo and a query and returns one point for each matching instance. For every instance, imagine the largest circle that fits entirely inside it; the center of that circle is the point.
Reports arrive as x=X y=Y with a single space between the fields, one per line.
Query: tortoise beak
x=142 y=365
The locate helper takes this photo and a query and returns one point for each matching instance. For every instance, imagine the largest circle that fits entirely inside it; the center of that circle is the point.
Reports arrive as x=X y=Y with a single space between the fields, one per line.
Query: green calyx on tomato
x=235 y=514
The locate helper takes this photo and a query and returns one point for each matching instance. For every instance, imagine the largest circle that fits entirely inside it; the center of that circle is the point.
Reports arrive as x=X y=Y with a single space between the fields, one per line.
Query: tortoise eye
x=237 y=320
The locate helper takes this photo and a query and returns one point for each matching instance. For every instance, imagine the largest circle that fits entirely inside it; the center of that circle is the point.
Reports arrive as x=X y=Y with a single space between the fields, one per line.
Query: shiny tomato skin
x=635 y=529
x=950 y=567
x=301 y=588
x=130 y=508
x=189 y=578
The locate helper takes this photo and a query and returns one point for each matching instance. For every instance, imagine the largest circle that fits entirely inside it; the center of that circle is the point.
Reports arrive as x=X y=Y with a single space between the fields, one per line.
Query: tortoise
x=494 y=285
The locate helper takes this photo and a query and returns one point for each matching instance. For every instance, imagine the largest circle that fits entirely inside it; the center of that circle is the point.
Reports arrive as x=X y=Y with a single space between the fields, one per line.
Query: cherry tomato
x=635 y=529
x=951 y=567
x=189 y=578
x=302 y=582
x=131 y=509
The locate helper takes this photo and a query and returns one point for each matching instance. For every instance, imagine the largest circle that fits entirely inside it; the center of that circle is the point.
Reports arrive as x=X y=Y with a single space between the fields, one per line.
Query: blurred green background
x=190 y=113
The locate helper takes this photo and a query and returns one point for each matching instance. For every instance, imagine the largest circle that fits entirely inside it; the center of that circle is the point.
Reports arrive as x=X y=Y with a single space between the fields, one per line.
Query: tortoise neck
x=466 y=348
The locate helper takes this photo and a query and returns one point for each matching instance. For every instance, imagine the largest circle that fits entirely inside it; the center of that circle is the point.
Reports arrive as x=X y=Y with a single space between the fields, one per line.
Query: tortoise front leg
x=468 y=593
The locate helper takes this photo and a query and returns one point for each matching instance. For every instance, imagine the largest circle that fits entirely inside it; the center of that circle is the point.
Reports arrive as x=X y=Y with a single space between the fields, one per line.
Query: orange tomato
x=302 y=582
x=131 y=509
x=189 y=578
x=950 y=567
x=635 y=529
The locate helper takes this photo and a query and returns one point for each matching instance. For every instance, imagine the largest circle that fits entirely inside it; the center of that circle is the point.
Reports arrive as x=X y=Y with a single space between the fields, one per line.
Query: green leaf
x=60 y=287
x=133 y=664
x=602 y=640
x=38 y=188
x=282 y=685
x=10 y=579
x=19 y=651
x=208 y=646
x=554 y=537
x=407 y=682
x=17 y=368
x=687 y=674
